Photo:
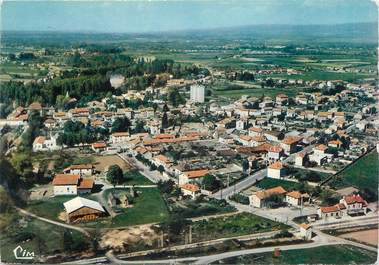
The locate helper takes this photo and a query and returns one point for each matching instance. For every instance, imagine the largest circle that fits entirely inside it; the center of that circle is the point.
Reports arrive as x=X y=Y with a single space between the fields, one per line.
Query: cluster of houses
x=261 y=198
x=351 y=205
x=264 y=131
x=348 y=205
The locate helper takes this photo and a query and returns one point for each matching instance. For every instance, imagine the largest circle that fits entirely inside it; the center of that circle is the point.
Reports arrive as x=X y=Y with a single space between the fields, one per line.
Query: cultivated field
x=343 y=254
x=369 y=237
x=103 y=162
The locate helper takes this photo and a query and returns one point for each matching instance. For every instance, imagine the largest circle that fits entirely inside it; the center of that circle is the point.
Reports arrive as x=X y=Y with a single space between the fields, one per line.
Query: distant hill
x=358 y=33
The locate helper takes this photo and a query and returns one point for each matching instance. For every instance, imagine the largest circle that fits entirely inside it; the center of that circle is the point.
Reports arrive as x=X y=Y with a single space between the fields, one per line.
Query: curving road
x=79 y=229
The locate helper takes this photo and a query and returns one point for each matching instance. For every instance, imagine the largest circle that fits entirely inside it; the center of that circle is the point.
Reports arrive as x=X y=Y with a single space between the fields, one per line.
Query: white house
x=258 y=199
x=254 y=131
x=306 y=231
x=41 y=143
x=119 y=137
x=275 y=153
x=187 y=176
x=275 y=170
x=83 y=169
x=335 y=211
x=354 y=204
x=71 y=184
x=66 y=184
x=189 y=189
x=241 y=124
x=295 y=198
x=300 y=159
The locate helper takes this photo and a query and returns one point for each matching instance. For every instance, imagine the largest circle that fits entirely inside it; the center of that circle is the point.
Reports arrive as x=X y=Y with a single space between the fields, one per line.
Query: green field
x=268 y=183
x=136 y=178
x=147 y=207
x=236 y=225
x=40 y=237
x=363 y=174
x=339 y=254
x=49 y=208
x=257 y=92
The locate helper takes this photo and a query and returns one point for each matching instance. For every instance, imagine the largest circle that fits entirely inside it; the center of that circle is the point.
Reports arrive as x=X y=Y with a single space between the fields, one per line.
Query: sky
x=153 y=16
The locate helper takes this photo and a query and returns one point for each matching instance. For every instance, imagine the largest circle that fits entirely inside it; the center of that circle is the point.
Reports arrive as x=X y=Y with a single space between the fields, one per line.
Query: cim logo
x=20 y=253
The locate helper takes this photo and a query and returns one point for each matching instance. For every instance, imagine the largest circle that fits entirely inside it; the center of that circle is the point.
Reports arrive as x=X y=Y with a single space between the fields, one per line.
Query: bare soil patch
x=121 y=240
x=365 y=236
x=103 y=162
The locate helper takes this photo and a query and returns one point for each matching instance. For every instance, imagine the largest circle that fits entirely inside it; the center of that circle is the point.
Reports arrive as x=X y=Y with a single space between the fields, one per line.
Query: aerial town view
x=189 y=132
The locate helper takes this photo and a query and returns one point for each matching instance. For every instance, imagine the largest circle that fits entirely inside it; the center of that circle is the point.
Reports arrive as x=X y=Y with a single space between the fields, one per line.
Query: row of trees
x=82 y=88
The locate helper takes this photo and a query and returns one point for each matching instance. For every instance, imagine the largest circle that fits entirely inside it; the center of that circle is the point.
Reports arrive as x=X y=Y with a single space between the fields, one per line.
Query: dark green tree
x=115 y=175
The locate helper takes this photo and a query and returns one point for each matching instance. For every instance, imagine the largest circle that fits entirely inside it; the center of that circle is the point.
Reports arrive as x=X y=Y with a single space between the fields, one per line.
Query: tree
x=166 y=186
x=121 y=125
x=115 y=175
x=245 y=165
x=274 y=201
x=160 y=169
x=175 y=224
x=139 y=127
x=67 y=240
x=164 y=121
x=165 y=108
x=153 y=167
x=211 y=183
x=327 y=197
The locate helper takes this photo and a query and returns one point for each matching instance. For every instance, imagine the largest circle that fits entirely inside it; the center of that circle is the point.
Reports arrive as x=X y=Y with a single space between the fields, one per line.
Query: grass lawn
x=362 y=175
x=51 y=207
x=236 y=225
x=339 y=254
x=147 y=207
x=36 y=236
x=268 y=183
x=134 y=177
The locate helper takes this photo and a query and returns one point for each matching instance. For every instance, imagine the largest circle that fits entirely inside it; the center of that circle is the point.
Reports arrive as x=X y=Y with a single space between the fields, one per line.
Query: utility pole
x=190 y=235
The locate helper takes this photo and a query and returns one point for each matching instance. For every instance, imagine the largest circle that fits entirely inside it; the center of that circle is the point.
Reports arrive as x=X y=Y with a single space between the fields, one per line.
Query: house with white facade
x=119 y=137
x=276 y=170
x=189 y=189
x=42 y=143
x=258 y=199
x=82 y=169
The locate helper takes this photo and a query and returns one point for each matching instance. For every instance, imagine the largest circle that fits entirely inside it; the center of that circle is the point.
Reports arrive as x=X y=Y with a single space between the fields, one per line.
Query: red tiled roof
x=294 y=194
x=321 y=147
x=276 y=165
x=99 y=145
x=196 y=173
x=86 y=184
x=40 y=140
x=267 y=193
x=291 y=139
x=190 y=187
x=329 y=209
x=351 y=199
x=66 y=179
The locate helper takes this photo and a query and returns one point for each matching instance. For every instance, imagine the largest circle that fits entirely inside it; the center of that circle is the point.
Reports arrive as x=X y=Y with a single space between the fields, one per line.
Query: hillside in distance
x=358 y=33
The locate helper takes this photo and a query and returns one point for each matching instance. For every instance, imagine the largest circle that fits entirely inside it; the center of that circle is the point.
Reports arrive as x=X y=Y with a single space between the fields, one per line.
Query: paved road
x=153 y=176
x=283 y=215
x=250 y=180
x=245 y=183
x=79 y=229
